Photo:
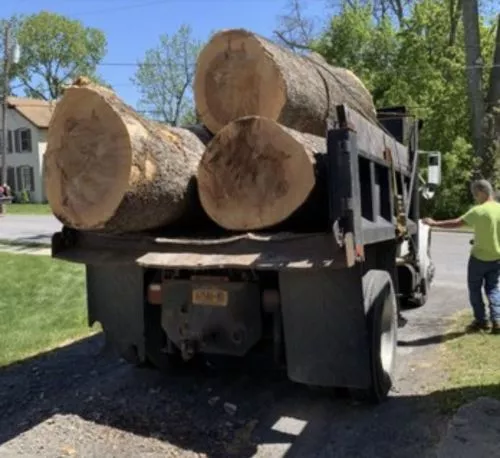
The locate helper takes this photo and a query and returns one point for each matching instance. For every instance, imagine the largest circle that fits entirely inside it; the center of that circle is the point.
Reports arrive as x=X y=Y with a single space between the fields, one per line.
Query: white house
x=27 y=124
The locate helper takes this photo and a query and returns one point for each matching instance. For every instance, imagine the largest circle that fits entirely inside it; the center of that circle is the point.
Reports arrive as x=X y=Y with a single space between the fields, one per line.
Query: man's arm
x=445 y=224
x=468 y=219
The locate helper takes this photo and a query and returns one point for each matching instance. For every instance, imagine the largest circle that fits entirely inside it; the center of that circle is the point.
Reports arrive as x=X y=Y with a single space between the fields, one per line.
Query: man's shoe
x=477 y=326
x=495 y=328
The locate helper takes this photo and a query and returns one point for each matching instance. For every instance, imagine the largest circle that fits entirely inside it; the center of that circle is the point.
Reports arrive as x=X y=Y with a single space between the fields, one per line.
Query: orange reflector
x=154 y=293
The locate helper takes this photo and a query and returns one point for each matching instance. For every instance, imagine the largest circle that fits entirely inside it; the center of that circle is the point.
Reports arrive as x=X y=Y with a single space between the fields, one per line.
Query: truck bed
x=363 y=162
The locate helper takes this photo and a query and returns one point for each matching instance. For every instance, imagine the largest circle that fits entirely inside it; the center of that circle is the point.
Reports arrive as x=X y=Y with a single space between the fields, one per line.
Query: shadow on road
x=188 y=411
x=431 y=340
x=39 y=239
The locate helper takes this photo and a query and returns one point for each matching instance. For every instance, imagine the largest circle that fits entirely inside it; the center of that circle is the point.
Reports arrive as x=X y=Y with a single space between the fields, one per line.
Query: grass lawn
x=28 y=209
x=472 y=363
x=42 y=305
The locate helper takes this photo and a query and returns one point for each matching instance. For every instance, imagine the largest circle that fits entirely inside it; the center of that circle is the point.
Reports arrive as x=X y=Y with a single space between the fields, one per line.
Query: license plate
x=210 y=296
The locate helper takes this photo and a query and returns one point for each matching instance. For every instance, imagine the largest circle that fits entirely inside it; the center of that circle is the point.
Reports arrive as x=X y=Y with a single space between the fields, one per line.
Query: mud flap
x=115 y=298
x=324 y=324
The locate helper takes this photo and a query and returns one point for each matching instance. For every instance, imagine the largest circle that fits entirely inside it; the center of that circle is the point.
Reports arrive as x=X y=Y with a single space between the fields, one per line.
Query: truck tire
x=420 y=298
x=130 y=355
x=155 y=357
x=155 y=341
x=382 y=325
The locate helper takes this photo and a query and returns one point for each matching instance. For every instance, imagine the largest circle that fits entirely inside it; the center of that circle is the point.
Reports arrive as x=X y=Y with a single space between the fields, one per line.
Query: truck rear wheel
x=156 y=342
x=381 y=308
x=419 y=298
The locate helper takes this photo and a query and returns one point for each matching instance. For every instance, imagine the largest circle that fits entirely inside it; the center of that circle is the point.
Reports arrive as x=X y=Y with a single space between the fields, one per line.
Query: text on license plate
x=209 y=296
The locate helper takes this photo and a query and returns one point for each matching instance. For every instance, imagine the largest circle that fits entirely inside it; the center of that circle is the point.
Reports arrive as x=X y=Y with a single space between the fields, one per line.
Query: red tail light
x=154 y=293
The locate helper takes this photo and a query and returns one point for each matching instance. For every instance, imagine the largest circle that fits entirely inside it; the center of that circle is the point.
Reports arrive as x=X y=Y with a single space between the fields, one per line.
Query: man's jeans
x=485 y=273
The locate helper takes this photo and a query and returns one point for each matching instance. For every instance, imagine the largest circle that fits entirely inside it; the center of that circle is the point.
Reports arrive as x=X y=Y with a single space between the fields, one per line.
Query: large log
x=256 y=173
x=239 y=74
x=106 y=168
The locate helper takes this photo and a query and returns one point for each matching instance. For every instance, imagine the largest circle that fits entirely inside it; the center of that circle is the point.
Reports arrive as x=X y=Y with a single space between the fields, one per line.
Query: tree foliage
x=54 y=51
x=165 y=77
x=420 y=63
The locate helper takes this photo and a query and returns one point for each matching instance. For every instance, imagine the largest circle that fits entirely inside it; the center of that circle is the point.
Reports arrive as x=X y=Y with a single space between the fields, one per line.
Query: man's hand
x=429 y=221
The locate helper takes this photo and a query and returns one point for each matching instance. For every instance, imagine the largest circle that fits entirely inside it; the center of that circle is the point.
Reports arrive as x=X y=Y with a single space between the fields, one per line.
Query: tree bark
x=106 y=168
x=241 y=74
x=256 y=173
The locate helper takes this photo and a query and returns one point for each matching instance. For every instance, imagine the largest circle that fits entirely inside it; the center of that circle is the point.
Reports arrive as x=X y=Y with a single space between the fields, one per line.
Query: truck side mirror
x=434 y=168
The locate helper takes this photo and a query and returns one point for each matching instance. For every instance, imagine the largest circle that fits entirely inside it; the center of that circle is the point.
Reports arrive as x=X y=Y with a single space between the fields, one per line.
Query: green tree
x=419 y=63
x=165 y=77
x=54 y=51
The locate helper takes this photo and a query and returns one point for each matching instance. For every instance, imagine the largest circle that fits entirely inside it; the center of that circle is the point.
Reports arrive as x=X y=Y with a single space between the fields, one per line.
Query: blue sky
x=133 y=26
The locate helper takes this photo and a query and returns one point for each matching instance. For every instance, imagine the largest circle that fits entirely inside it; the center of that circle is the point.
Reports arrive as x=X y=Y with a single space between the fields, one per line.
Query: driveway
x=27 y=228
x=79 y=401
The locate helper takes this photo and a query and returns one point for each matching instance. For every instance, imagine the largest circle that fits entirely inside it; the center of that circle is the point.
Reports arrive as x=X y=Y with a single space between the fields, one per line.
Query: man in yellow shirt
x=484 y=261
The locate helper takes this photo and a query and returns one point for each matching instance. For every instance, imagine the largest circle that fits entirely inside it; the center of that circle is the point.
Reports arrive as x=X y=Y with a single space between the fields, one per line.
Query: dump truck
x=325 y=305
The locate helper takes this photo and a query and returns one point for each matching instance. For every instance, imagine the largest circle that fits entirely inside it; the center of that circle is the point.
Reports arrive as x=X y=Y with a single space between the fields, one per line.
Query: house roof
x=38 y=112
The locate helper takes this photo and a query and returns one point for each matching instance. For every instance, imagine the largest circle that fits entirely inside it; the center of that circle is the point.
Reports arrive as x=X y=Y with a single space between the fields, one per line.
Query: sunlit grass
x=42 y=305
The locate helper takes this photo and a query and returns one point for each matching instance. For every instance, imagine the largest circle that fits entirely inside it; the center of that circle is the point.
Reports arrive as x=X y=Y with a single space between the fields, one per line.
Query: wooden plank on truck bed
x=257 y=261
x=373 y=141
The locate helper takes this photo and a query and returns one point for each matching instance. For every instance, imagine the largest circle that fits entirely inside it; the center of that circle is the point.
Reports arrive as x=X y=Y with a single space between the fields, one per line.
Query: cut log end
x=88 y=161
x=253 y=175
x=235 y=77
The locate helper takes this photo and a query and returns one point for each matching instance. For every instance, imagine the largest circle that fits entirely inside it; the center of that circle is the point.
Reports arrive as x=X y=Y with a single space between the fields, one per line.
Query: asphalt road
x=78 y=401
x=27 y=228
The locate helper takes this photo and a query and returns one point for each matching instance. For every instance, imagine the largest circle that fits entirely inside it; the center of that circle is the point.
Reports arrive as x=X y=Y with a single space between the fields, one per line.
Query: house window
x=25 y=178
x=23 y=140
x=18 y=140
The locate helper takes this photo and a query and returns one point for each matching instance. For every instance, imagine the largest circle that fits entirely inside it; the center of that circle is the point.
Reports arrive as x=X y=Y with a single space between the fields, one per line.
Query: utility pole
x=5 y=94
x=474 y=62
x=11 y=55
x=491 y=124
x=494 y=90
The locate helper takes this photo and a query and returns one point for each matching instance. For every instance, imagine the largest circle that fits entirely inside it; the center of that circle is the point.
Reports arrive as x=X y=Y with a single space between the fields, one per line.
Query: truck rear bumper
x=247 y=251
